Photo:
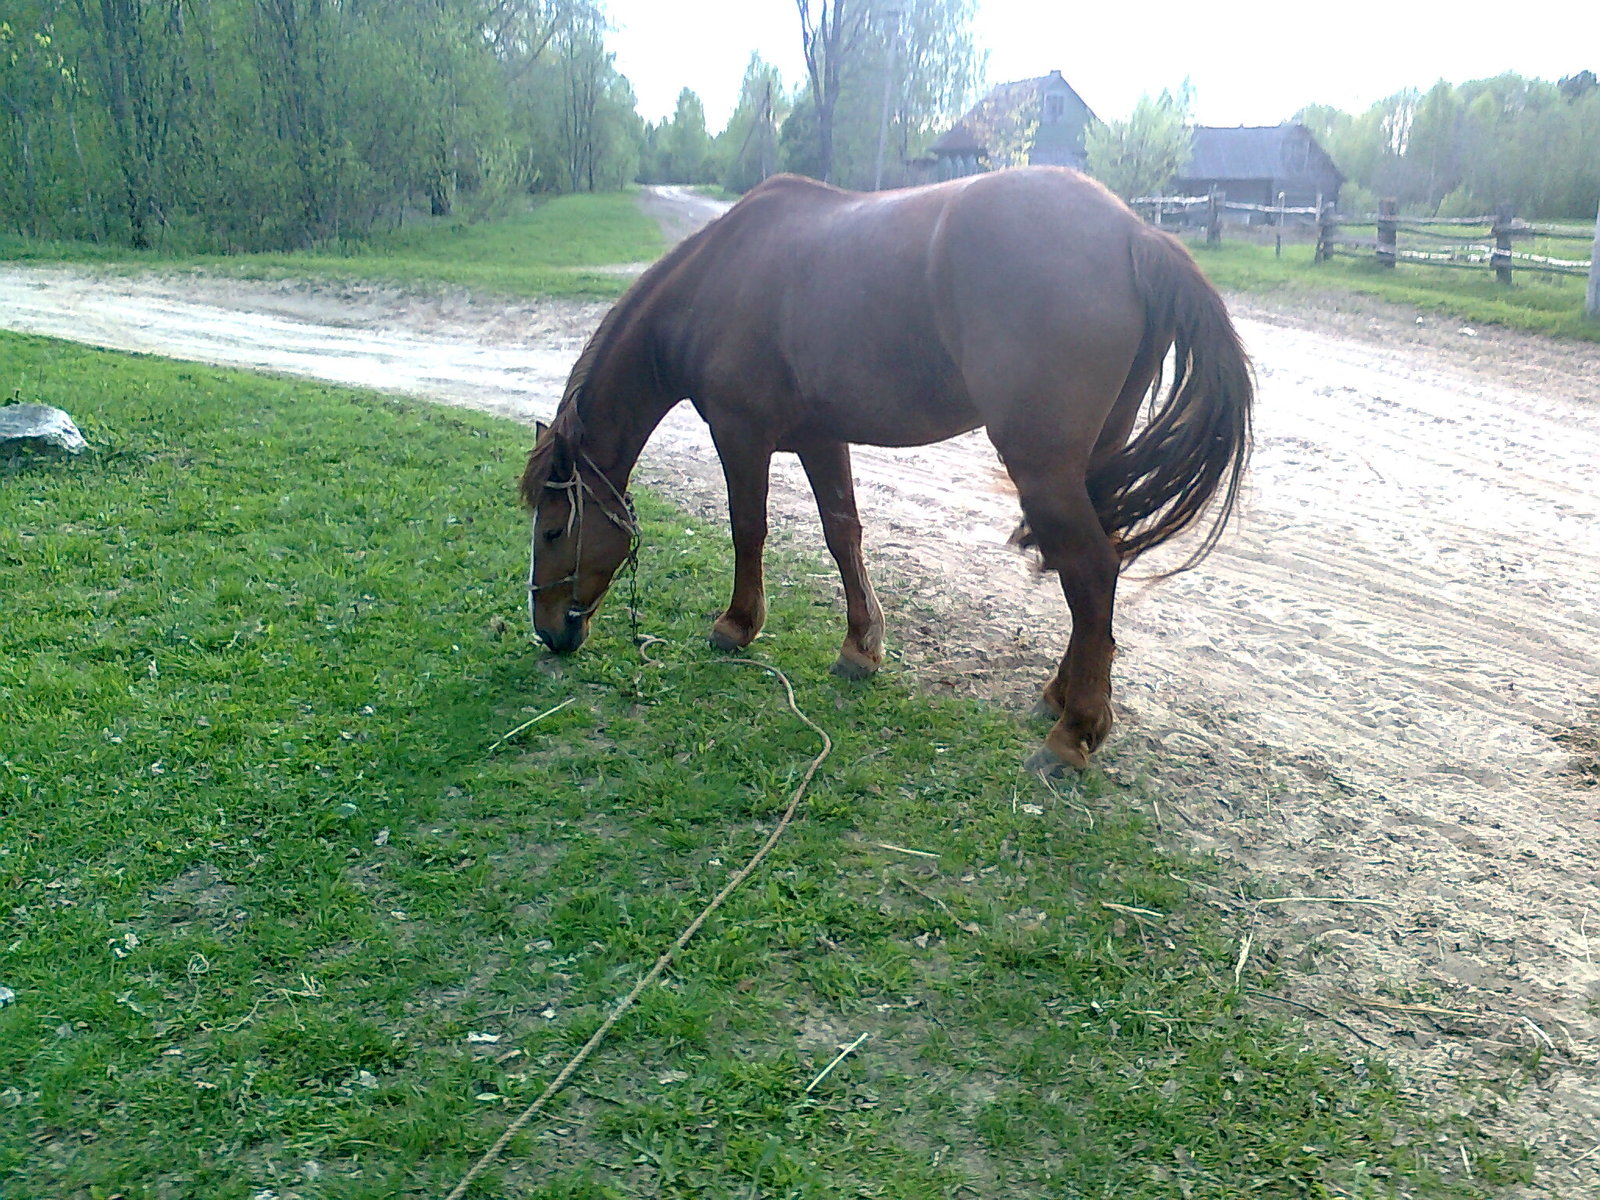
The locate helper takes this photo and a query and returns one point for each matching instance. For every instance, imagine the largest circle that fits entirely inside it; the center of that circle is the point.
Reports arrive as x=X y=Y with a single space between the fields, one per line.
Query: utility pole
x=1592 y=302
x=768 y=158
x=893 y=15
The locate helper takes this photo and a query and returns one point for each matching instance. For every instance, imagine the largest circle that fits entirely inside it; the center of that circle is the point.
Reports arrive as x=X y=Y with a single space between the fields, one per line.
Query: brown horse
x=1031 y=302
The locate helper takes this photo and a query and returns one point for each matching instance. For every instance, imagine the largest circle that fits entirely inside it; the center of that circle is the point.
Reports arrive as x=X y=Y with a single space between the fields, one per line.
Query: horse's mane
x=565 y=431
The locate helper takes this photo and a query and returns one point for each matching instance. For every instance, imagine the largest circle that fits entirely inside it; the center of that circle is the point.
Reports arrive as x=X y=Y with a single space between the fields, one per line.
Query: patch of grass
x=1535 y=303
x=278 y=921
x=551 y=249
x=714 y=191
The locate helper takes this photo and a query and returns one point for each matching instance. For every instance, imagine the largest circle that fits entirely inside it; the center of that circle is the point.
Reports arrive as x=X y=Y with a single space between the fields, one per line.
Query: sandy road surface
x=1378 y=688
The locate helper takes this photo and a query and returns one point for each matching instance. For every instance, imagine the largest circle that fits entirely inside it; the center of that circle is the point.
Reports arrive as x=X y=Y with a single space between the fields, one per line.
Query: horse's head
x=583 y=530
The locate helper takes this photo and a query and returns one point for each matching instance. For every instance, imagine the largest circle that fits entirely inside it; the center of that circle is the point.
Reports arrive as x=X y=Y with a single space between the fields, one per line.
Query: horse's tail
x=1197 y=440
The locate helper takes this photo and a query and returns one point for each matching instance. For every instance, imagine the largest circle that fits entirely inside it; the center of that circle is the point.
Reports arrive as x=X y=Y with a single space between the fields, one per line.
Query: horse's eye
x=553 y=535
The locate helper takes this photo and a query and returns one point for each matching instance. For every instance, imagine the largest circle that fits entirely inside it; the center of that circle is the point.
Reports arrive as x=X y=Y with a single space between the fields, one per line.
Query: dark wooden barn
x=1253 y=163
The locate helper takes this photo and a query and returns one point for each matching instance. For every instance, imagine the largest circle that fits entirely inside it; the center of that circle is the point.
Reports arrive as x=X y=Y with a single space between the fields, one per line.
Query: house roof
x=1056 y=78
x=1250 y=152
x=959 y=140
x=1001 y=104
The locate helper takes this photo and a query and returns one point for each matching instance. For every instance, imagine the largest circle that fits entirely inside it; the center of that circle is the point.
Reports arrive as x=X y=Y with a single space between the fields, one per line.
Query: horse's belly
x=893 y=390
x=888 y=417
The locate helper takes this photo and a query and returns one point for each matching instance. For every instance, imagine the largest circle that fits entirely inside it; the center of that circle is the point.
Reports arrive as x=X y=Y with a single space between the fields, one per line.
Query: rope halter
x=620 y=513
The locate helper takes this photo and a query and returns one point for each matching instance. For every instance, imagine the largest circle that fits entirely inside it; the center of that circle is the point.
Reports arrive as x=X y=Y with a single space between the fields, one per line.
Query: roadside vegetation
x=283 y=918
x=1551 y=305
x=557 y=247
x=551 y=248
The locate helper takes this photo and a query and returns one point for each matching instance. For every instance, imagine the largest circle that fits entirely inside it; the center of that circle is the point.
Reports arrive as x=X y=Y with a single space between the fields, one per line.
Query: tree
x=254 y=124
x=687 y=144
x=1432 y=167
x=137 y=52
x=1576 y=87
x=830 y=33
x=35 y=82
x=917 y=54
x=593 y=131
x=1142 y=155
x=747 y=149
x=1006 y=127
x=1463 y=150
x=937 y=68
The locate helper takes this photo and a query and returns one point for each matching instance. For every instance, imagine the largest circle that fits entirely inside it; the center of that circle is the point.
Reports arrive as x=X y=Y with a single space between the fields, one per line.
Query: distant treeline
x=239 y=125
x=889 y=74
x=1462 y=150
x=265 y=124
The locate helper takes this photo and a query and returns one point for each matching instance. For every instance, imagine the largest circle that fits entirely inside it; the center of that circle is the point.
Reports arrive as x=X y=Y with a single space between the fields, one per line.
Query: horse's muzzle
x=568 y=637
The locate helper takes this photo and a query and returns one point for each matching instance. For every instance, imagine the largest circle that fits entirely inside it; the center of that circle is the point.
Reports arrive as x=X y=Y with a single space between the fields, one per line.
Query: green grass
x=265 y=879
x=553 y=248
x=1535 y=303
x=548 y=250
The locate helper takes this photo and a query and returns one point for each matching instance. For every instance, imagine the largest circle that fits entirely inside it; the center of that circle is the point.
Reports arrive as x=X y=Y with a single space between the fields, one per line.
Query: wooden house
x=1039 y=120
x=1253 y=164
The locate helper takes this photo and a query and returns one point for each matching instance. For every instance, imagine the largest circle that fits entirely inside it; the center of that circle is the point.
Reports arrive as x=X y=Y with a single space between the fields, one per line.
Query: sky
x=1249 y=65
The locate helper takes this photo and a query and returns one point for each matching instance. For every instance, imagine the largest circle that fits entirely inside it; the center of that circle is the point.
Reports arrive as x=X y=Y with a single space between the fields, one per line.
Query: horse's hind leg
x=745 y=463
x=828 y=467
x=1073 y=544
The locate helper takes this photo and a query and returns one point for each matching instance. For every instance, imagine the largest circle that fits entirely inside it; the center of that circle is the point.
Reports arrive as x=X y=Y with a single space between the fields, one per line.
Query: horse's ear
x=547 y=460
x=551 y=444
x=559 y=450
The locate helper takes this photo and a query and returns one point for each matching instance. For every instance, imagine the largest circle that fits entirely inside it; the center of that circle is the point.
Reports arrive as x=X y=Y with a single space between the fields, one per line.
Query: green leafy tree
x=248 y=124
x=831 y=32
x=1462 y=150
x=914 y=56
x=596 y=135
x=35 y=83
x=1142 y=155
x=139 y=55
x=687 y=157
x=746 y=151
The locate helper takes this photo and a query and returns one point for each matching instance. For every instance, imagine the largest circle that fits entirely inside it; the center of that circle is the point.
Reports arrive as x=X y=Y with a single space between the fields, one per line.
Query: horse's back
x=890 y=316
x=816 y=303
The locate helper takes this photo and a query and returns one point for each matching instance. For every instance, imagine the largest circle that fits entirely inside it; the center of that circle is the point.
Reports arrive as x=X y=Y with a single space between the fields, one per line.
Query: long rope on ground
x=654 y=973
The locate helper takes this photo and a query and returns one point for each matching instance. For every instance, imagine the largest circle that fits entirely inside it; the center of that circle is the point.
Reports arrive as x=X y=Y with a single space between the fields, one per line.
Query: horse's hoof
x=1045 y=761
x=728 y=636
x=846 y=667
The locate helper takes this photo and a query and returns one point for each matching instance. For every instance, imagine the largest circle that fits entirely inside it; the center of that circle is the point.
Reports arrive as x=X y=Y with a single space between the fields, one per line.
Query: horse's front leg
x=745 y=464
x=828 y=467
x=1073 y=544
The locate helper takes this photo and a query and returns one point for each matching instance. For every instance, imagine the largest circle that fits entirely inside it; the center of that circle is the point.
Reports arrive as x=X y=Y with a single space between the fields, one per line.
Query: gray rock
x=39 y=423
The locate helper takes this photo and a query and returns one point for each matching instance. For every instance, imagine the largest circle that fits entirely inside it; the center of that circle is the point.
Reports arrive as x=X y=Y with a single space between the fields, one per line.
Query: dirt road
x=1383 y=686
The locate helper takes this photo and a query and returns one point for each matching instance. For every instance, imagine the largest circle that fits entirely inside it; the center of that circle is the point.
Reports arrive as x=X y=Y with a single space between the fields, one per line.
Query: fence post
x=1388 y=231
x=1327 y=226
x=1591 y=305
x=1278 y=248
x=1501 y=258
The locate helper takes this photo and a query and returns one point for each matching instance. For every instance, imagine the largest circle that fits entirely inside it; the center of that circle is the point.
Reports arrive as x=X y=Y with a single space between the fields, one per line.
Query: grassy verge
x=549 y=250
x=554 y=248
x=1537 y=304
x=281 y=923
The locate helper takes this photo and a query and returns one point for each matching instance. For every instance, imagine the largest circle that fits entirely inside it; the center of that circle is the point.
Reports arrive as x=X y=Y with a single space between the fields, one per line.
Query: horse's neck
x=624 y=404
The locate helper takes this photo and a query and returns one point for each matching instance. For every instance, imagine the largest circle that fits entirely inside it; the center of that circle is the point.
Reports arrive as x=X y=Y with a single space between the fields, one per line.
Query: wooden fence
x=1473 y=243
x=1432 y=241
x=1154 y=208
